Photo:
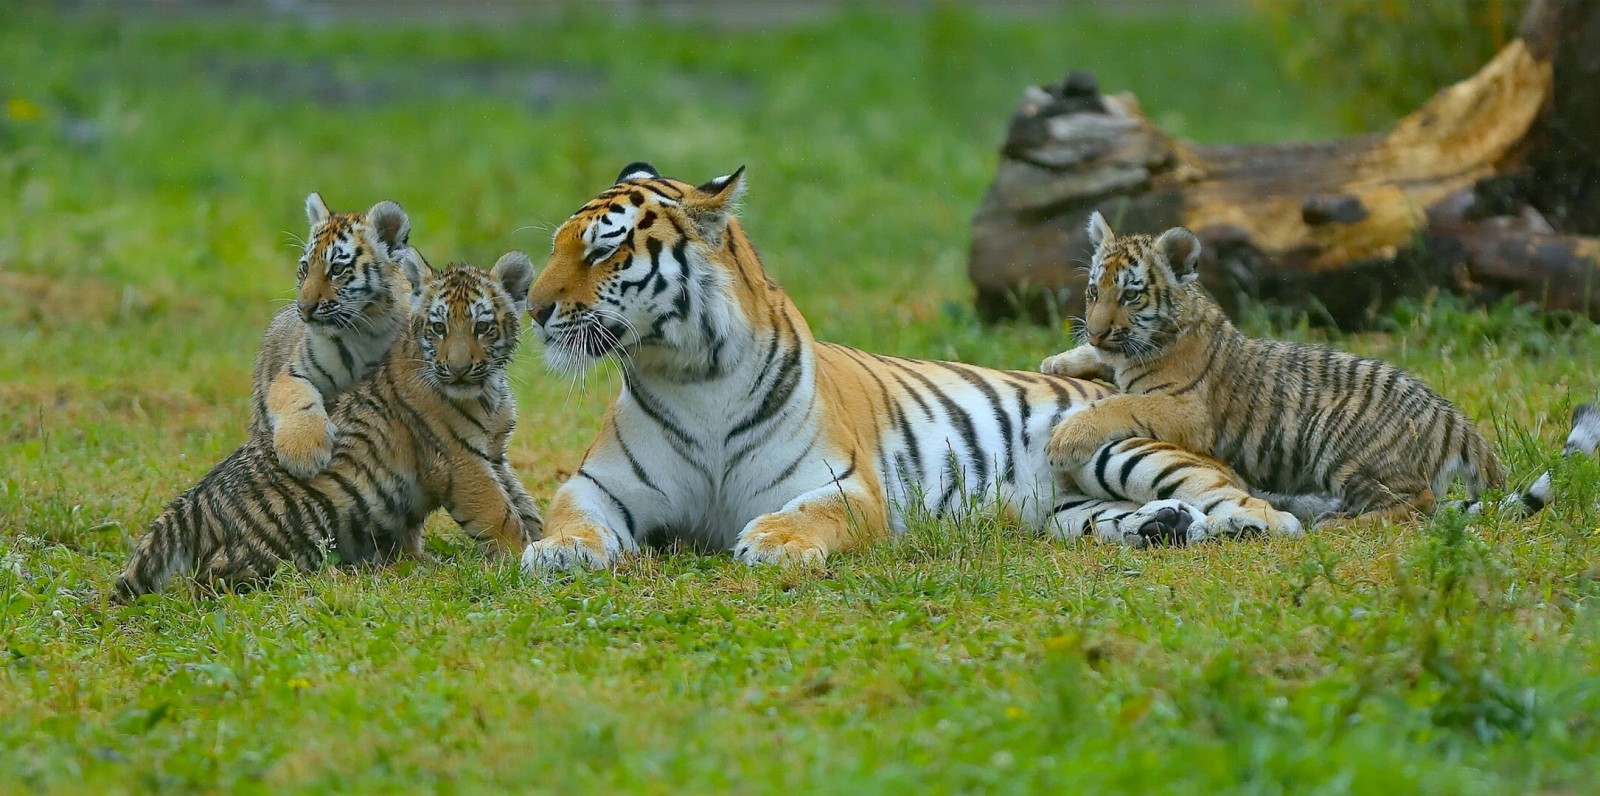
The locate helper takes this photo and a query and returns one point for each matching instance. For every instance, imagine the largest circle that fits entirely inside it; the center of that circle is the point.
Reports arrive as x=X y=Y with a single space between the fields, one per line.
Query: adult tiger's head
x=466 y=322
x=355 y=264
x=647 y=269
x=1138 y=288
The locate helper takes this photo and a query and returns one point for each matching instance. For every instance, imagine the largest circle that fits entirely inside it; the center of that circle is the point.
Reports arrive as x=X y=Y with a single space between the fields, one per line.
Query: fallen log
x=1490 y=189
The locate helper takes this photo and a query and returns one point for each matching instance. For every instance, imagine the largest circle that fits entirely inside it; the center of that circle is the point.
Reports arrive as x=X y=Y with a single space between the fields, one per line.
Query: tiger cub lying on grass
x=358 y=275
x=428 y=429
x=1295 y=419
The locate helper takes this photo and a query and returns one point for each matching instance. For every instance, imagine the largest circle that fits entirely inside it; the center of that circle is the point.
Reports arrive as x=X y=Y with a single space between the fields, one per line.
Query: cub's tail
x=163 y=550
x=1584 y=438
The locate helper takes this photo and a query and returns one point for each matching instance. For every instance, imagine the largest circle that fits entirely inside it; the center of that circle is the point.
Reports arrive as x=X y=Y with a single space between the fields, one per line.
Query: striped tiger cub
x=357 y=277
x=1298 y=420
x=735 y=429
x=429 y=428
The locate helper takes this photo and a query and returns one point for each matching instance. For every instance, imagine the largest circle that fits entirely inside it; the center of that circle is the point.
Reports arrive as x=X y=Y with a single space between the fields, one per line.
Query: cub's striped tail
x=1584 y=438
x=163 y=550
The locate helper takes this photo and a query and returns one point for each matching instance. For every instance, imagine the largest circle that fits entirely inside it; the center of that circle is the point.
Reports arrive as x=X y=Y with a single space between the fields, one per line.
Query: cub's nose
x=541 y=313
x=1096 y=338
x=459 y=372
x=308 y=308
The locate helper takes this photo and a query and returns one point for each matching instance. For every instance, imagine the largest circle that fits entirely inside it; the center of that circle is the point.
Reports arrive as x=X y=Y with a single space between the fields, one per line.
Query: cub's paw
x=1162 y=523
x=774 y=539
x=304 y=443
x=1077 y=363
x=559 y=554
x=1072 y=443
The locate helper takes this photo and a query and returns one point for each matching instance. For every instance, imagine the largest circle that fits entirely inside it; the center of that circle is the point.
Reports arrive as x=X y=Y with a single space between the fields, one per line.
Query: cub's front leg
x=302 y=434
x=837 y=516
x=484 y=508
x=1082 y=362
x=1178 y=421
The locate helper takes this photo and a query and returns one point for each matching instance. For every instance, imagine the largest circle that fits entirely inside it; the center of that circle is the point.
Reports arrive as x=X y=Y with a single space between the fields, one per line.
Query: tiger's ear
x=1181 y=249
x=417 y=270
x=392 y=225
x=316 y=209
x=710 y=205
x=514 y=272
x=638 y=170
x=1099 y=230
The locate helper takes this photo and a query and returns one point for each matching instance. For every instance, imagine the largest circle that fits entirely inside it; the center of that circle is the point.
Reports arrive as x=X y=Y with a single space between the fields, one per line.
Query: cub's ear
x=316 y=209
x=391 y=224
x=638 y=170
x=417 y=270
x=514 y=272
x=711 y=204
x=1181 y=249
x=1099 y=230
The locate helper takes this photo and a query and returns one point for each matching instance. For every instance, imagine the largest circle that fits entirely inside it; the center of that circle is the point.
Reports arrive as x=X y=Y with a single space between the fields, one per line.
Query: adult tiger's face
x=466 y=322
x=1137 y=283
x=353 y=262
x=630 y=270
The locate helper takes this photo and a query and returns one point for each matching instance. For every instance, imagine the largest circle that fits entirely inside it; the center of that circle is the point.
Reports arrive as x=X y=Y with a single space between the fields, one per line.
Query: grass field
x=151 y=179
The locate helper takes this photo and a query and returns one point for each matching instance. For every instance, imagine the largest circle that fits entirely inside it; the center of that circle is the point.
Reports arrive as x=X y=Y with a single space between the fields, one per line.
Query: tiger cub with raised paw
x=357 y=280
x=429 y=428
x=1315 y=426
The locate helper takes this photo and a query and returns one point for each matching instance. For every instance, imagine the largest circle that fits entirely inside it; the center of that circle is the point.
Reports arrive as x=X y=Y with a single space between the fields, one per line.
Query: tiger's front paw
x=566 y=553
x=1161 y=523
x=304 y=443
x=781 y=540
x=1071 y=444
x=1077 y=363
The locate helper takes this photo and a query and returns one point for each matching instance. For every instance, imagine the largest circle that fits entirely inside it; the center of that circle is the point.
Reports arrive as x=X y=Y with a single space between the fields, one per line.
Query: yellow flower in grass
x=1014 y=712
x=22 y=109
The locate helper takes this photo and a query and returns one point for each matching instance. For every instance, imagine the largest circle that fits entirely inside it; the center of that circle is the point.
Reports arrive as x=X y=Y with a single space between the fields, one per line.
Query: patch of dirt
x=37 y=410
x=32 y=298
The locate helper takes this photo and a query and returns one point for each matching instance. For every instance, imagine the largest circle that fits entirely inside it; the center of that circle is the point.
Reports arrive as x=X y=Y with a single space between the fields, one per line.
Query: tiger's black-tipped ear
x=316 y=209
x=1099 y=230
x=514 y=272
x=712 y=203
x=417 y=270
x=1181 y=249
x=638 y=170
x=392 y=225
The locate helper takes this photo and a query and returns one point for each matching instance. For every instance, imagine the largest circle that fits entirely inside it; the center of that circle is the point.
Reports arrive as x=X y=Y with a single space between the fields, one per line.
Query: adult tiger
x=735 y=428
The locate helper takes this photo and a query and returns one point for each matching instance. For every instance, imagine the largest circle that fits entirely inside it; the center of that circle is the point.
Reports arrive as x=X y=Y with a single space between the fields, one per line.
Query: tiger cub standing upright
x=1295 y=419
x=357 y=279
x=429 y=428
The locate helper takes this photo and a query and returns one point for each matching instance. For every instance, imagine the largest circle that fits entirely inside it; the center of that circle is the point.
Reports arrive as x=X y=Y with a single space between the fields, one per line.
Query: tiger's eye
x=437 y=328
x=481 y=328
x=1092 y=293
x=1130 y=296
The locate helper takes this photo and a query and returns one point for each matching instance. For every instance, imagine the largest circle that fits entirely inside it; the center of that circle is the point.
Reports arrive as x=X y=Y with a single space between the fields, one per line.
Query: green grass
x=151 y=177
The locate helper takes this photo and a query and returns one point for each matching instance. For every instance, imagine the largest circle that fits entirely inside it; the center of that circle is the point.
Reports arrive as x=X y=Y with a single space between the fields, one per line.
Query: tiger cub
x=356 y=283
x=428 y=429
x=1295 y=419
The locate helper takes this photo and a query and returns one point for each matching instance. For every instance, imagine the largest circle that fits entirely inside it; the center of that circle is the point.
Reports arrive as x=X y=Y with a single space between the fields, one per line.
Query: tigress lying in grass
x=356 y=283
x=735 y=429
x=1295 y=419
x=428 y=429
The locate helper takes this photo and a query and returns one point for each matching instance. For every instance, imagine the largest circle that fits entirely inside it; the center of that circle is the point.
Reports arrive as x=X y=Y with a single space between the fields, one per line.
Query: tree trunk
x=1489 y=189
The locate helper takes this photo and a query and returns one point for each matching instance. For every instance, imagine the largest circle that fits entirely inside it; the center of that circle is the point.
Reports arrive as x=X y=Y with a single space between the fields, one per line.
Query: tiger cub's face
x=1137 y=284
x=466 y=322
x=618 y=277
x=354 y=264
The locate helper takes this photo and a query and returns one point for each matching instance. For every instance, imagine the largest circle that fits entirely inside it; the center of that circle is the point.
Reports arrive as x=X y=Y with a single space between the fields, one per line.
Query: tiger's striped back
x=430 y=428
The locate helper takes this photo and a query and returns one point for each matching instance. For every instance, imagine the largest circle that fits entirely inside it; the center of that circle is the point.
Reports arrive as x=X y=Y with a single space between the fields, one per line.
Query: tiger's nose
x=308 y=308
x=541 y=313
x=459 y=372
x=1096 y=338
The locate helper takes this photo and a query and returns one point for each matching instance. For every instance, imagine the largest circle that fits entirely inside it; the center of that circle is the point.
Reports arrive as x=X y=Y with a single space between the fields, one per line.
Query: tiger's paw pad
x=304 y=444
x=1164 y=523
x=563 y=554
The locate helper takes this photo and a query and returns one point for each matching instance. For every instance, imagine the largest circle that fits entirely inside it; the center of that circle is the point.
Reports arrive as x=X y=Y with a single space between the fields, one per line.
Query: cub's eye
x=601 y=253
x=437 y=328
x=480 y=328
x=335 y=270
x=1130 y=296
x=1092 y=293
